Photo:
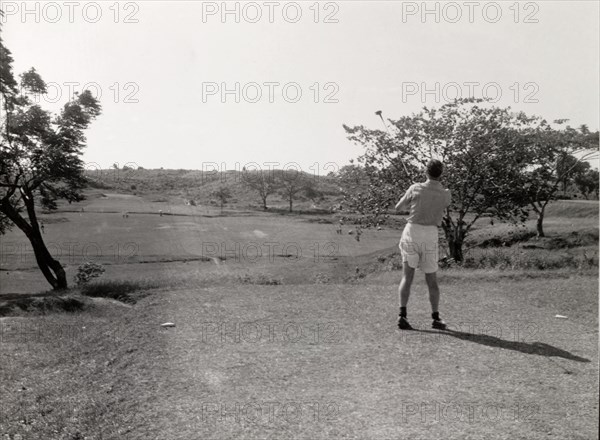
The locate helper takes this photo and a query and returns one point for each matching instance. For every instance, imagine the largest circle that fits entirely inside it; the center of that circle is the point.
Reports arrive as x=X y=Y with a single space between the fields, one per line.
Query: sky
x=205 y=85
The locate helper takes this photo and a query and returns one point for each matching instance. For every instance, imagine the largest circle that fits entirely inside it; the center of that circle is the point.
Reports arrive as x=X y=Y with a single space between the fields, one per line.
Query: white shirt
x=426 y=202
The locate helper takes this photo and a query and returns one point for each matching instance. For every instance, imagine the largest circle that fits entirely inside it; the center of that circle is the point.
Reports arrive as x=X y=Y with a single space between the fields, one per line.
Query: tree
x=39 y=157
x=222 y=195
x=369 y=190
x=482 y=148
x=568 y=168
x=291 y=183
x=594 y=177
x=263 y=182
x=587 y=182
x=354 y=184
x=552 y=161
x=312 y=192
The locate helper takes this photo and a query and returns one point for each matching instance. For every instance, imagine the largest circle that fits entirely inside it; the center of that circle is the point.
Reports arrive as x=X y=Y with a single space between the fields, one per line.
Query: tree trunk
x=290 y=204
x=540 y=223
x=455 y=247
x=264 y=200
x=51 y=268
x=456 y=237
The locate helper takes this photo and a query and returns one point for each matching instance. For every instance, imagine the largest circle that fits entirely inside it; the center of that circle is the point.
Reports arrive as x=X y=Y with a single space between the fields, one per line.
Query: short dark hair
x=435 y=168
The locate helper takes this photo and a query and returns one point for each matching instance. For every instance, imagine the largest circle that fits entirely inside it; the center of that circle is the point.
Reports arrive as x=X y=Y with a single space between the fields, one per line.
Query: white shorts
x=419 y=247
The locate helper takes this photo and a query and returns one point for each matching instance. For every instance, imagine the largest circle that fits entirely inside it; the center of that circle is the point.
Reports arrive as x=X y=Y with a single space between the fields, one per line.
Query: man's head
x=434 y=169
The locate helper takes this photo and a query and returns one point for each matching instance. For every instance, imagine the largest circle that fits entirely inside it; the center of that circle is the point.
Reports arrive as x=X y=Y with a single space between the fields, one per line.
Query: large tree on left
x=40 y=157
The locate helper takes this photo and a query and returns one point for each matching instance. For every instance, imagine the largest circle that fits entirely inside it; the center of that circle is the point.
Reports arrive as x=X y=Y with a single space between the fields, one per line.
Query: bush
x=448 y=263
x=516 y=259
x=321 y=278
x=262 y=279
x=508 y=238
x=88 y=271
x=394 y=262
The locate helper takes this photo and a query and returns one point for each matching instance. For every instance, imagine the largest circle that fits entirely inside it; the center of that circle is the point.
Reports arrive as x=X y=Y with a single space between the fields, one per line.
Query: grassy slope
x=112 y=372
x=139 y=381
x=573 y=209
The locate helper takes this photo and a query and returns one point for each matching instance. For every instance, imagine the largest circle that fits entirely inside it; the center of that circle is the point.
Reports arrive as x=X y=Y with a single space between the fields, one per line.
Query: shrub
x=508 y=238
x=448 y=262
x=589 y=260
x=88 y=271
x=394 y=262
x=262 y=279
x=515 y=259
x=321 y=278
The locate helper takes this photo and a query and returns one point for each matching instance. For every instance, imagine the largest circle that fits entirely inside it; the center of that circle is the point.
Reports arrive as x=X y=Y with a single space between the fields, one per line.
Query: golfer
x=419 y=243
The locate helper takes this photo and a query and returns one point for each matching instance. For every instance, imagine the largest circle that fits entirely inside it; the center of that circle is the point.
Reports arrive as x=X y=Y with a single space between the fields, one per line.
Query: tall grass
x=573 y=209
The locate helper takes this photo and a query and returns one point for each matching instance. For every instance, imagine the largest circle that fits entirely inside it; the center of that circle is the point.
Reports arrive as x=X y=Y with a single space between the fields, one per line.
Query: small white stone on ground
x=560 y=316
x=168 y=324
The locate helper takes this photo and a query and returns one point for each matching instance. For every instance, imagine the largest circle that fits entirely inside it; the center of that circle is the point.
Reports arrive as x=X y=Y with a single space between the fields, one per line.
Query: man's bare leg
x=403 y=294
x=404 y=288
x=434 y=291
x=434 y=299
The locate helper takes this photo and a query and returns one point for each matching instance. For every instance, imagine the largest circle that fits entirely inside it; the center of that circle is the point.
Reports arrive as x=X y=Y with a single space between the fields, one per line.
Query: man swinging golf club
x=419 y=243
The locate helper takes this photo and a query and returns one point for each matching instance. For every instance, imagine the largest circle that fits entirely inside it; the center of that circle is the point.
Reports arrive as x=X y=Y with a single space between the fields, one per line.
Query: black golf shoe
x=439 y=324
x=403 y=323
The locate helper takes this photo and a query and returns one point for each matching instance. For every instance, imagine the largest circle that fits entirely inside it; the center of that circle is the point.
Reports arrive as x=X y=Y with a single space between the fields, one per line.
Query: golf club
x=379 y=113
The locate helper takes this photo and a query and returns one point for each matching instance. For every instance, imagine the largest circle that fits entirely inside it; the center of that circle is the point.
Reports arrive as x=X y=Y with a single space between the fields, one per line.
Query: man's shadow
x=538 y=348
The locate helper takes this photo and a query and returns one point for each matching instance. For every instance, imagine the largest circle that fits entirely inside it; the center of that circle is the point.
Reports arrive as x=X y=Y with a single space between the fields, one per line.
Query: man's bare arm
x=404 y=201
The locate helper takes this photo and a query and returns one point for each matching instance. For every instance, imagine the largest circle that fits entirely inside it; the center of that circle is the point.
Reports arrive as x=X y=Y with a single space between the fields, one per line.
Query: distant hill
x=197 y=186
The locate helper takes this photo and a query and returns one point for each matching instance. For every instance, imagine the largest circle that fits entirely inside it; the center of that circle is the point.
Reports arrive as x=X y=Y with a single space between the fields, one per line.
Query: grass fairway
x=313 y=362
x=368 y=379
x=304 y=359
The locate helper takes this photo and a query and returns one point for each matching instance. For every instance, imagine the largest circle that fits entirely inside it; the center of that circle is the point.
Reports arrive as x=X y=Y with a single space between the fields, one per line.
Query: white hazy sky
x=164 y=58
